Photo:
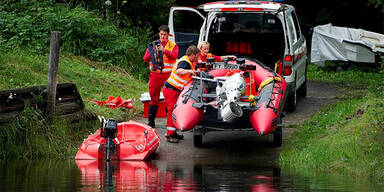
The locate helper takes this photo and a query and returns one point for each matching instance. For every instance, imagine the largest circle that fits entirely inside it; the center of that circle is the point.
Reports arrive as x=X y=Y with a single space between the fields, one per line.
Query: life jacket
x=168 y=62
x=179 y=81
x=202 y=59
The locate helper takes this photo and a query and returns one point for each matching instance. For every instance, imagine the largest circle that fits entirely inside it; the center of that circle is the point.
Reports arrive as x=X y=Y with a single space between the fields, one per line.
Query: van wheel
x=291 y=102
x=303 y=89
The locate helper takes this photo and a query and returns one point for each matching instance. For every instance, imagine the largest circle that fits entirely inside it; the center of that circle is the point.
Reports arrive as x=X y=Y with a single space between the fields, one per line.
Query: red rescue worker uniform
x=172 y=88
x=157 y=78
x=202 y=58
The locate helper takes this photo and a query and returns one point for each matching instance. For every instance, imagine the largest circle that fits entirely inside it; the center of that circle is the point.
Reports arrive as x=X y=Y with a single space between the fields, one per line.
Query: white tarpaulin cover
x=345 y=44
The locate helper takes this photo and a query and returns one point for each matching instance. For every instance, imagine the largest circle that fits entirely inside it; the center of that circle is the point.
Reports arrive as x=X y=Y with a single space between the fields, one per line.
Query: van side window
x=291 y=30
x=297 y=25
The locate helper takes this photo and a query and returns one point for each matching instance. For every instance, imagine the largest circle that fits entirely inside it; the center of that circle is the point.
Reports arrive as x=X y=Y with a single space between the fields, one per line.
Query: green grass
x=29 y=135
x=94 y=80
x=355 y=75
x=345 y=137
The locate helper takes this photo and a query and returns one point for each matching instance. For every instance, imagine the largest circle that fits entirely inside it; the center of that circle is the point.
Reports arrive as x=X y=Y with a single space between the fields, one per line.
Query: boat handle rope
x=267 y=81
x=189 y=93
x=145 y=139
x=275 y=110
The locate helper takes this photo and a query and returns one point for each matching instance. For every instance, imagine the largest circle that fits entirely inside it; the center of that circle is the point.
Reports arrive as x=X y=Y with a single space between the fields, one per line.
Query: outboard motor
x=109 y=132
x=109 y=129
x=227 y=95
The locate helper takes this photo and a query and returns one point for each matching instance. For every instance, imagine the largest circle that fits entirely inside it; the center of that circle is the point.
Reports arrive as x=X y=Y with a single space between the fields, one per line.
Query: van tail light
x=288 y=58
x=287 y=70
x=288 y=62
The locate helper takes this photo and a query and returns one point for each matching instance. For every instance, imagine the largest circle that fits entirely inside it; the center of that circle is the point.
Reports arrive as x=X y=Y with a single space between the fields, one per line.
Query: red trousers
x=170 y=97
x=156 y=82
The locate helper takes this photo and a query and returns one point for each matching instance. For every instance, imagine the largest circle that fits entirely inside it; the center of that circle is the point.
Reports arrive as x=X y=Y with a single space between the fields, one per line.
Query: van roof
x=241 y=6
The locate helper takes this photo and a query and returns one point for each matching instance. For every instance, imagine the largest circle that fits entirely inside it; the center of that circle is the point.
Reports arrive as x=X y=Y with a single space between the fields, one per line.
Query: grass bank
x=29 y=136
x=96 y=80
x=345 y=137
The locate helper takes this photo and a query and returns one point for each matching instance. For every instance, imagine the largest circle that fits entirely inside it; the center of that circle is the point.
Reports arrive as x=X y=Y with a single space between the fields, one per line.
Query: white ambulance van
x=263 y=30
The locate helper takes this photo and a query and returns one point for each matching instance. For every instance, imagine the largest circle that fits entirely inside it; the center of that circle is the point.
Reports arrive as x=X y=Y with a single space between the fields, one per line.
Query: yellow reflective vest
x=179 y=81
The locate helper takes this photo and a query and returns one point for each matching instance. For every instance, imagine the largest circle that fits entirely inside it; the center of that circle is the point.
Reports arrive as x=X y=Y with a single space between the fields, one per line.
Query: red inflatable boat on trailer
x=232 y=96
x=119 y=141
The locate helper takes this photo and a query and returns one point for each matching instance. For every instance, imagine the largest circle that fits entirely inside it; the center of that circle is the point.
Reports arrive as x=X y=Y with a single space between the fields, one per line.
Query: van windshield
x=250 y=23
x=257 y=35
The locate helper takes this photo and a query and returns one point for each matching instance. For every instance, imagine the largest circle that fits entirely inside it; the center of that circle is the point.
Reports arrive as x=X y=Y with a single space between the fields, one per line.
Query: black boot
x=171 y=139
x=152 y=115
x=179 y=137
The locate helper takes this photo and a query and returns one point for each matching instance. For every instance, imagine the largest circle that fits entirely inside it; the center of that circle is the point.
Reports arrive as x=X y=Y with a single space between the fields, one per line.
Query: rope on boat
x=145 y=142
x=268 y=81
x=271 y=104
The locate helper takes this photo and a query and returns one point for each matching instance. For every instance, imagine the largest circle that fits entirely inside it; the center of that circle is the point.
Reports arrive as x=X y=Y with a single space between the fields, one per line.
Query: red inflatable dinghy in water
x=120 y=141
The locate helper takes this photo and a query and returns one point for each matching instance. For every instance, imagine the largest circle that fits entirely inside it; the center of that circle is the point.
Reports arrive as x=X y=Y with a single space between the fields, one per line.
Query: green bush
x=28 y=25
x=133 y=12
x=382 y=66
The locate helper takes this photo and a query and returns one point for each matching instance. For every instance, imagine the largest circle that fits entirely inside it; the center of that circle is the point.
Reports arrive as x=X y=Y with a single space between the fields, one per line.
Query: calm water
x=71 y=175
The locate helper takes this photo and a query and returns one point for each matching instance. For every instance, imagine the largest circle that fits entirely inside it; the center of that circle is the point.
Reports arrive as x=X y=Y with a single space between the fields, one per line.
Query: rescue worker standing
x=158 y=75
x=181 y=74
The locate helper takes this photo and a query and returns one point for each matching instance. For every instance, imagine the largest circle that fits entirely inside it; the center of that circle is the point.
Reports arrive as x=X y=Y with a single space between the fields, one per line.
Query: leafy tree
x=365 y=14
x=380 y=5
x=27 y=24
x=127 y=13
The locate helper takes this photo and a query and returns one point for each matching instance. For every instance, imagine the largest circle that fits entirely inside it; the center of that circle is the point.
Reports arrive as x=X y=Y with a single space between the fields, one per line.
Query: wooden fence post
x=52 y=72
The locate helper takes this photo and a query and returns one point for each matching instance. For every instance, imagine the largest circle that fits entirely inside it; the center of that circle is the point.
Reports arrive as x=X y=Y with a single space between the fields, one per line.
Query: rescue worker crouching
x=204 y=47
x=181 y=74
x=161 y=58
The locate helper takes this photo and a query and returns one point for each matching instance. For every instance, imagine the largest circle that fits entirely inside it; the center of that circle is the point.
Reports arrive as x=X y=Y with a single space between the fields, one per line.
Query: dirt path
x=222 y=147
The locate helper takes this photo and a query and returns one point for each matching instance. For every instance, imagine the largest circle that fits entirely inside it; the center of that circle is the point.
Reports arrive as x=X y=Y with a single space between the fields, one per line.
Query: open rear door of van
x=184 y=24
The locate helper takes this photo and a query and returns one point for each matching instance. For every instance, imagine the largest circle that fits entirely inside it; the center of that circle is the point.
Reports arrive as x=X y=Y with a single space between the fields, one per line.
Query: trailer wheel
x=198 y=140
x=278 y=137
x=303 y=89
x=197 y=137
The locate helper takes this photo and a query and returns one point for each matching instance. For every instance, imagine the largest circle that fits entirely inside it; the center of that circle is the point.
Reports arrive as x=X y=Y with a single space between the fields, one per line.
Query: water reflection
x=130 y=176
x=237 y=178
x=159 y=175
x=146 y=176
x=42 y=175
